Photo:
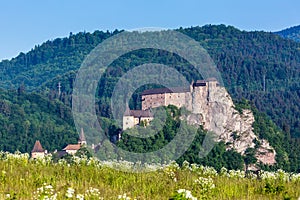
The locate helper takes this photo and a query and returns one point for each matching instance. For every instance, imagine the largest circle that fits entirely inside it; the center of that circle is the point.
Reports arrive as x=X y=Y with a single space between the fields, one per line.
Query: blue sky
x=25 y=24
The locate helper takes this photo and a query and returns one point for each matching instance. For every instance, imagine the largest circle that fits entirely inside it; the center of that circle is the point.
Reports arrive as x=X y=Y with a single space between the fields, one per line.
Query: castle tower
x=212 y=83
x=37 y=151
x=82 y=140
x=199 y=95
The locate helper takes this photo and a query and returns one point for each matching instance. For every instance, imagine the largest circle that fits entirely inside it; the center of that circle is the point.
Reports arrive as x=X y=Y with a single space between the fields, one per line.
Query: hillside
x=246 y=61
x=52 y=58
x=290 y=33
x=25 y=118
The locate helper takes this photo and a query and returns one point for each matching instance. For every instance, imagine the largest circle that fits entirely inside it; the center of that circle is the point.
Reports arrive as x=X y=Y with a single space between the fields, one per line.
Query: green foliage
x=83 y=152
x=249 y=156
x=273 y=189
x=26 y=118
x=217 y=158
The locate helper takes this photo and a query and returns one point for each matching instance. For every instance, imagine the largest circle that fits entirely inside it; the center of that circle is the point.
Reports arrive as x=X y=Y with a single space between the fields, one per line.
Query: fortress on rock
x=191 y=98
x=210 y=106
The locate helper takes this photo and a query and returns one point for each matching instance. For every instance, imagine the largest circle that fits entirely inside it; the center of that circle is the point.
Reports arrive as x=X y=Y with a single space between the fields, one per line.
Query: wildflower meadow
x=88 y=178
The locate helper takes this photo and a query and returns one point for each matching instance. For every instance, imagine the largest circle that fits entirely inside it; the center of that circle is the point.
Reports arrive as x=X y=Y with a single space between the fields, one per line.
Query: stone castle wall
x=153 y=101
x=176 y=99
x=192 y=100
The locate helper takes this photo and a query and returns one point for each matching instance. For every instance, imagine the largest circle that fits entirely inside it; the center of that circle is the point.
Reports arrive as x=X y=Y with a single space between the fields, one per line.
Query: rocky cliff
x=215 y=111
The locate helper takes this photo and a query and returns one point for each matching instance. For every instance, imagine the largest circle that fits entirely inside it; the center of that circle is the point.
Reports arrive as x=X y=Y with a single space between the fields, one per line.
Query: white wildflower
x=70 y=192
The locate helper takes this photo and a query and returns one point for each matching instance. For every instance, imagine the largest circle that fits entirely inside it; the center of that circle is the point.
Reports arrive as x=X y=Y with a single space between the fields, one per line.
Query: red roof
x=72 y=147
x=37 y=147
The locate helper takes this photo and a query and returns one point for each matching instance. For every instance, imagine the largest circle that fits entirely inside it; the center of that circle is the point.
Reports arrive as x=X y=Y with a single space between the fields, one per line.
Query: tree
x=83 y=151
x=249 y=157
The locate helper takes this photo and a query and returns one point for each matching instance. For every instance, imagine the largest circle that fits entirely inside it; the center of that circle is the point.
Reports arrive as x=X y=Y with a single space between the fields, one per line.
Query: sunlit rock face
x=213 y=108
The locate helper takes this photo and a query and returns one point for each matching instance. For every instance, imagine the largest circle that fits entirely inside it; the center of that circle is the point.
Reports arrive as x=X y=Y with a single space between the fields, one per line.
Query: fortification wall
x=193 y=100
x=188 y=101
x=176 y=99
x=153 y=101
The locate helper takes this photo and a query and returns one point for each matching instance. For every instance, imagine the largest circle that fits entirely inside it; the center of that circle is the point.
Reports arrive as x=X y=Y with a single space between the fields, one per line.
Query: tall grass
x=24 y=178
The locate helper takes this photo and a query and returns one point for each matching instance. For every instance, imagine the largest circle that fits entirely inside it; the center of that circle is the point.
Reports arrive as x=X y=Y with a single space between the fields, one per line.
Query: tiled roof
x=72 y=147
x=166 y=90
x=139 y=113
x=37 y=147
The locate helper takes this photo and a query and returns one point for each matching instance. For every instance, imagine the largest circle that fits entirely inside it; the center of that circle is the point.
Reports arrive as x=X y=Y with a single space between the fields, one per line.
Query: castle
x=179 y=97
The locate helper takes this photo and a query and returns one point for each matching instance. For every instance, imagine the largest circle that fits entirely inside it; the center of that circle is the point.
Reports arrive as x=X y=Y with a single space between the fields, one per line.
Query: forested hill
x=52 y=58
x=25 y=118
x=246 y=60
x=291 y=33
x=259 y=66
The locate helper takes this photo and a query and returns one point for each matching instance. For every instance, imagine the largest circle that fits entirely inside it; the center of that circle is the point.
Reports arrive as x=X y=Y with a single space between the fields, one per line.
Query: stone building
x=180 y=97
x=164 y=96
x=190 y=98
x=132 y=118
x=73 y=148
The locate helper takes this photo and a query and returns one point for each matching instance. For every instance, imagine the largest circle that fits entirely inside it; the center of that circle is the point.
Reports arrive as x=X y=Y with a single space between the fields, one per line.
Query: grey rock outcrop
x=216 y=112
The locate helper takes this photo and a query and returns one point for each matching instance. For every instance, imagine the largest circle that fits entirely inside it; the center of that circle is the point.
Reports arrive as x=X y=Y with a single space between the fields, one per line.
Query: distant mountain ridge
x=290 y=33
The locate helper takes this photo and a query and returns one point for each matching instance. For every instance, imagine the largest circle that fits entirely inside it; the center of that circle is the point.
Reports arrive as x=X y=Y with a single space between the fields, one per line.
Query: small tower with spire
x=37 y=151
x=82 y=140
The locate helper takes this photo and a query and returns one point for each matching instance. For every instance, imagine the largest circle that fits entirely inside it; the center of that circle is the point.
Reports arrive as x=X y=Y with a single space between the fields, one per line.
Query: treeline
x=52 y=58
